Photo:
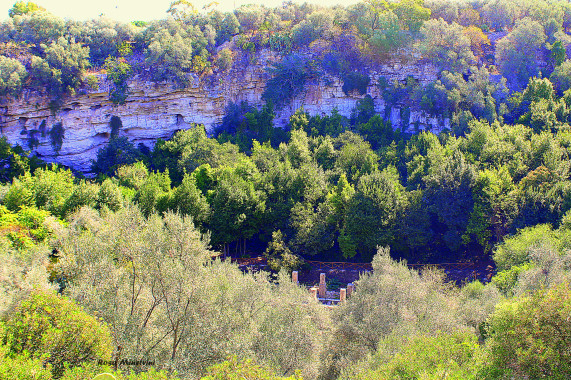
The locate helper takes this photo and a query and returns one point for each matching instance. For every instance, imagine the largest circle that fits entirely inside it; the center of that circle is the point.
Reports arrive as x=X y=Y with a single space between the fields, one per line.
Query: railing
x=341 y=265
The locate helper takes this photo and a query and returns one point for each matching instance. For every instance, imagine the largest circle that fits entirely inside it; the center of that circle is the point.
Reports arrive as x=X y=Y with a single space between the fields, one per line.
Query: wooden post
x=350 y=289
x=294 y=277
x=342 y=295
x=313 y=292
x=322 y=285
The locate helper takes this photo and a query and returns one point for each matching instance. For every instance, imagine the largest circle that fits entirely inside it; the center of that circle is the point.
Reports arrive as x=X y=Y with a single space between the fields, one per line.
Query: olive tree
x=446 y=45
x=154 y=282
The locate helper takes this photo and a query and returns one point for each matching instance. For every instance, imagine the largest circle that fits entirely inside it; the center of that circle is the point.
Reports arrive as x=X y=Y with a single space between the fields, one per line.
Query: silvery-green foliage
x=477 y=302
x=549 y=268
x=20 y=273
x=392 y=300
x=154 y=282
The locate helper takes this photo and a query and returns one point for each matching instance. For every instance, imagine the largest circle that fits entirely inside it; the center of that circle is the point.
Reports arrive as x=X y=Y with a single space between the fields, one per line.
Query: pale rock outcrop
x=158 y=110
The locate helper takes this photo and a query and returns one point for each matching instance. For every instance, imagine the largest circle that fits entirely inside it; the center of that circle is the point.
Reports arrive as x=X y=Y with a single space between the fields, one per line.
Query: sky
x=131 y=10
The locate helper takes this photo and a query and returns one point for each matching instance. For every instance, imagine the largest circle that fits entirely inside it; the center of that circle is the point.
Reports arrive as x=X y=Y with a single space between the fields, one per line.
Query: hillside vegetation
x=127 y=265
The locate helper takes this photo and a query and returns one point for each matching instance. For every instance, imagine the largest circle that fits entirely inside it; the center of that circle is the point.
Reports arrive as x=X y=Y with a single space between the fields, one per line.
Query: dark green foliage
x=373 y=213
x=288 y=80
x=364 y=111
x=449 y=197
x=116 y=125
x=187 y=199
x=56 y=135
x=237 y=208
x=120 y=151
x=243 y=124
x=15 y=162
x=561 y=77
x=118 y=71
x=355 y=81
x=558 y=53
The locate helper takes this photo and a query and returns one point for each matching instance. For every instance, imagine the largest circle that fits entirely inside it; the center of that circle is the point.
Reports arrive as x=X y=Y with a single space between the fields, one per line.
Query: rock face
x=158 y=110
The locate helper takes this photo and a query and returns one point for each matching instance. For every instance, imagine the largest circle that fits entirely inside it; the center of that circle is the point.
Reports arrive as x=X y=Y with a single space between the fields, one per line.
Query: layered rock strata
x=158 y=110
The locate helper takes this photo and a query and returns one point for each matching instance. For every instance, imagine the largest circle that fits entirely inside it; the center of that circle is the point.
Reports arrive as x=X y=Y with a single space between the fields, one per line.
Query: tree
x=232 y=368
x=36 y=28
x=515 y=53
x=451 y=355
x=165 y=299
x=237 y=210
x=288 y=80
x=12 y=76
x=280 y=256
x=188 y=200
x=180 y=9
x=529 y=336
x=120 y=151
x=411 y=14
x=479 y=42
x=388 y=37
x=118 y=71
x=561 y=77
x=495 y=205
x=373 y=212
x=63 y=67
x=449 y=197
x=21 y=8
x=355 y=157
x=250 y=17
x=390 y=299
x=446 y=45
x=499 y=14
x=170 y=56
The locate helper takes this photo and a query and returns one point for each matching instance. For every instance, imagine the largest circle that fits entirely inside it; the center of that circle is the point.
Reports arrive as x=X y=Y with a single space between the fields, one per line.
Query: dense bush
x=12 y=76
x=515 y=53
x=177 y=280
x=120 y=151
x=288 y=80
x=48 y=324
x=528 y=336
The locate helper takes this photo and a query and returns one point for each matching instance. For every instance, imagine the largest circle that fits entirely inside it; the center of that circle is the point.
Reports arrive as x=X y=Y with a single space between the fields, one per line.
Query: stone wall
x=158 y=110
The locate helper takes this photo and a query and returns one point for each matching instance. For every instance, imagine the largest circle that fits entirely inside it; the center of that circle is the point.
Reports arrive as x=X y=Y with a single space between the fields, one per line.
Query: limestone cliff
x=157 y=110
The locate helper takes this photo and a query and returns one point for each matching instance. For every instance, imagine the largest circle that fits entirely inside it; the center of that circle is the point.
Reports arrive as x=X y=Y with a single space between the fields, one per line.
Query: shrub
x=529 y=337
x=118 y=71
x=47 y=189
x=516 y=250
x=280 y=256
x=234 y=369
x=355 y=81
x=56 y=136
x=507 y=279
x=120 y=151
x=12 y=76
x=54 y=326
x=289 y=77
x=449 y=356
x=225 y=59
x=22 y=367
